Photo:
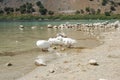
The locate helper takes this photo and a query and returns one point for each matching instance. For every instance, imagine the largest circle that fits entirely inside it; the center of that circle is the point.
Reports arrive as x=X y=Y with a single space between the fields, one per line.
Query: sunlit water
x=18 y=46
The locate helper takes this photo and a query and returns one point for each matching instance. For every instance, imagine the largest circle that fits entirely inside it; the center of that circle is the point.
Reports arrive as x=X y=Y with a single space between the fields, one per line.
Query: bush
x=50 y=12
x=107 y=13
x=1 y=11
x=77 y=12
x=82 y=11
x=112 y=8
x=8 y=10
x=39 y=4
x=98 y=11
x=43 y=11
x=91 y=0
x=87 y=9
x=104 y=2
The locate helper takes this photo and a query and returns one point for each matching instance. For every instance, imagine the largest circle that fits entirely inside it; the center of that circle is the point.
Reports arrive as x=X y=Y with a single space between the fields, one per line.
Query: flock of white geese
x=62 y=40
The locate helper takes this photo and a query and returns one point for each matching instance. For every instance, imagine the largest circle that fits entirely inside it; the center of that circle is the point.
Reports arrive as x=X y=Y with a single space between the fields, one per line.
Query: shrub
x=77 y=12
x=43 y=11
x=39 y=4
x=82 y=11
x=107 y=13
x=98 y=11
x=91 y=0
x=104 y=2
x=112 y=8
x=87 y=9
x=1 y=11
x=50 y=12
x=8 y=10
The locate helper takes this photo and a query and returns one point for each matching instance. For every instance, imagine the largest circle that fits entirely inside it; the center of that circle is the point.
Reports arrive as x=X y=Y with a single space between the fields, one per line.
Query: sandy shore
x=73 y=64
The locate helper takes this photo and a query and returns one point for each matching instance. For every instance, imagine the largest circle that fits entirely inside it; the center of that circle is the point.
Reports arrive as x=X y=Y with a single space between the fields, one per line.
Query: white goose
x=43 y=44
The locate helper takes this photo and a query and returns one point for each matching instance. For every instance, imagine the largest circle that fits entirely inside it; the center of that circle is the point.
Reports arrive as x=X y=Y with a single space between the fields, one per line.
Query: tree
x=26 y=8
x=1 y=11
x=33 y=10
x=107 y=13
x=22 y=9
x=77 y=12
x=87 y=9
x=28 y=5
x=43 y=11
x=17 y=9
x=93 y=11
x=112 y=8
x=98 y=11
x=82 y=11
x=39 y=4
x=104 y=2
x=50 y=12
x=8 y=10
x=91 y=0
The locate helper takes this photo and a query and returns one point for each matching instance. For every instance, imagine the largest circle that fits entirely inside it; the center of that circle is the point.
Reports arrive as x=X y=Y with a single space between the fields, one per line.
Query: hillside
x=68 y=6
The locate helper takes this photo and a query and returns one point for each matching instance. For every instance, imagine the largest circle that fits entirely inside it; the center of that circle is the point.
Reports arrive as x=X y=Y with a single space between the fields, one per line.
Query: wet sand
x=73 y=65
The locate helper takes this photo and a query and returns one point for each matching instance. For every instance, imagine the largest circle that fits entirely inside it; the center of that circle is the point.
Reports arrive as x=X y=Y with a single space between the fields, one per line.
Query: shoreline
x=57 y=17
x=75 y=65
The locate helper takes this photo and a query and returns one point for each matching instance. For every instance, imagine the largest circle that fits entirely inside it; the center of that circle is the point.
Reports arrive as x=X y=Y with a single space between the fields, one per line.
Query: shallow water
x=18 y=46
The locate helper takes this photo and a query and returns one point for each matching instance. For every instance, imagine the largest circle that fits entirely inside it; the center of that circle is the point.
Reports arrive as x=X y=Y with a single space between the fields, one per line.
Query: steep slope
x=65 y=5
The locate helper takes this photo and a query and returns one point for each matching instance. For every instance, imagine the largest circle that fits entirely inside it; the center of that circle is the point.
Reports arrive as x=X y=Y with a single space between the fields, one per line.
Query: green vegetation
x=60 y=17
x=98 y=11
x=39 y=4
x=42 y=10
x=104 y=2
x=8 y=10
x=87 y=9
x=1 y=11
x=26 y=8
x=77 y=12
x=112 y=8
x=50 y=12
x=107 y=13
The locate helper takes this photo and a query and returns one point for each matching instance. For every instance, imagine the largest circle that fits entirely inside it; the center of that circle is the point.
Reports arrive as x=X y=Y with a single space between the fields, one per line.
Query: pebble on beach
x=62 y=49
x=40 y=62
x=9 y=64
x=93 y=62
x=51 y=70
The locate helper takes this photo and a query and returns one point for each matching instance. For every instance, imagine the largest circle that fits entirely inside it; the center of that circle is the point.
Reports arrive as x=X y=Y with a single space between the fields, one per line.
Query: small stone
x=51 y=71
x=40 y=62
x=62 y=49
x=65 y=61
x=54 y=47
x=93 y=62
x=8 y=64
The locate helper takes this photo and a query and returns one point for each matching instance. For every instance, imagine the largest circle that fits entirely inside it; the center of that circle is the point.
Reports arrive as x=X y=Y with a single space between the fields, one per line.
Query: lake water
x=18 y=47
